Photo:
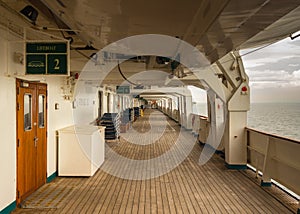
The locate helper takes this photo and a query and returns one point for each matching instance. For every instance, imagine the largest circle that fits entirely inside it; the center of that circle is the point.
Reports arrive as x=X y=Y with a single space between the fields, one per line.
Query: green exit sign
x=123 y=90
x=47 y=58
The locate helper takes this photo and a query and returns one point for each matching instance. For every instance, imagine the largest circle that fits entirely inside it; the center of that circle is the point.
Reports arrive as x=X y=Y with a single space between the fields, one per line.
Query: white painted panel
x=236 y=148
x=7 y=132
x=57 y=119
x=8 y=141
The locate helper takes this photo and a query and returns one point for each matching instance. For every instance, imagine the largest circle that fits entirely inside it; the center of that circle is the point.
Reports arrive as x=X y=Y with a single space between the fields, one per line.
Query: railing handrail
x=274 y=135
x=202 y=116
x=275 y=156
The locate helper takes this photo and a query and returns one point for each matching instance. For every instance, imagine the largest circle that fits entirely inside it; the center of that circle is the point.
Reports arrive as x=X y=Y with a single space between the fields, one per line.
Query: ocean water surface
x=281 y=119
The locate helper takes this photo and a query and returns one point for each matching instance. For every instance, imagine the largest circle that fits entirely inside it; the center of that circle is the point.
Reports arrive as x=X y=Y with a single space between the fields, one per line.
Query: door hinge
x=18 y=107
x=18 y=143
x=18 y=194
x=18 y=90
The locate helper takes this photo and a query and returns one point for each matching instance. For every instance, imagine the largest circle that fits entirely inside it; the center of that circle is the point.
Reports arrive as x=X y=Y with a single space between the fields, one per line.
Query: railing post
x=266 y=179
x=256 y=157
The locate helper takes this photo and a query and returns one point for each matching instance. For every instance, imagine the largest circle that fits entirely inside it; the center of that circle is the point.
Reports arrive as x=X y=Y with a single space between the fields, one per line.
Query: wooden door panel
x=31 y=153
x=41 y=135
x=26 y=133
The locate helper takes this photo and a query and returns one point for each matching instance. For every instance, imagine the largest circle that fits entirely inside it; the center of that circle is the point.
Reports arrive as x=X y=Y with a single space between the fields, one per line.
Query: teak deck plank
x=188 y=188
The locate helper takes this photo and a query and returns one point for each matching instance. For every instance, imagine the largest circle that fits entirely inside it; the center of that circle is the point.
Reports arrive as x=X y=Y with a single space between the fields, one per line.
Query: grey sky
x=274 y=72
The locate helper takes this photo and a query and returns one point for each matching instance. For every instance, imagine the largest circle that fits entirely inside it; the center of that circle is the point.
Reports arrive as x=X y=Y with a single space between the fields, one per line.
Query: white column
x=237 y=92
x=181 y=110
x=235 y=135
x=212 y=118
x=170 y=107
x=216 y=118
x=189 y=111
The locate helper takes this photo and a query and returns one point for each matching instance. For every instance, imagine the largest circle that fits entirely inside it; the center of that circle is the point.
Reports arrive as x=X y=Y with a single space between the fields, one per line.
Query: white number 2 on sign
x=56 y=67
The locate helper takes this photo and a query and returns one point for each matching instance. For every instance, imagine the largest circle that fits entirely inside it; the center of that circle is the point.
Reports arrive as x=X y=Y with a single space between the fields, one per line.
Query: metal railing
x=276 y=157
x=200 y=127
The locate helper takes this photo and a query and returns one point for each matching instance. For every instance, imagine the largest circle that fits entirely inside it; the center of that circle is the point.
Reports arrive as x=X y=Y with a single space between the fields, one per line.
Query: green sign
x=36 y=64
x=123 y=90
x=41 y=47
x=47 y=58
x=57 y=64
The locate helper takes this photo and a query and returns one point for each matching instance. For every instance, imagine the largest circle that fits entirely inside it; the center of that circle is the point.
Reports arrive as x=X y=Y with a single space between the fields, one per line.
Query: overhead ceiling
x=215 y=27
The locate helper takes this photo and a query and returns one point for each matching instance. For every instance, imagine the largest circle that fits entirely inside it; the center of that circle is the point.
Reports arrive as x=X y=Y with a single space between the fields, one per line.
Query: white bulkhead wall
x=10 y=69
x=216 y=117
x=57 y=119
x=86 y=103
x=186 y=110
x=7 y=133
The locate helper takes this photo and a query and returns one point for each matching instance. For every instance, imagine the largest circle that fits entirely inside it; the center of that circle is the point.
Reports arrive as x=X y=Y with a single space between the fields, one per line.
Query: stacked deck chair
x=111 y=121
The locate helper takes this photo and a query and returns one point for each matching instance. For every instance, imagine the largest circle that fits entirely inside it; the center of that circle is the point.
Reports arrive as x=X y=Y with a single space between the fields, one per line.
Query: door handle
x=35 y=141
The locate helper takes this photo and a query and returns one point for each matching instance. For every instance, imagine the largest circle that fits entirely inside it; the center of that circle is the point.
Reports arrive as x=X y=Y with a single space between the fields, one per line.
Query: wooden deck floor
x=188 y=188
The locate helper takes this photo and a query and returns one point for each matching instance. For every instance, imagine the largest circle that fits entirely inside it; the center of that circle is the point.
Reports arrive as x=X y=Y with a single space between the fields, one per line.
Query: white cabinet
x=80 y=150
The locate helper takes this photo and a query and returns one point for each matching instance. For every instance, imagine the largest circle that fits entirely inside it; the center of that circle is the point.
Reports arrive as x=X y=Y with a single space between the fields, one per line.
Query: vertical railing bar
x=265 y=177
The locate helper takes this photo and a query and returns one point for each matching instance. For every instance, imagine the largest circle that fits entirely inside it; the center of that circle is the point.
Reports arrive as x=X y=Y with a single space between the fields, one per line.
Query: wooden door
x=41 y=135
x=31 y=137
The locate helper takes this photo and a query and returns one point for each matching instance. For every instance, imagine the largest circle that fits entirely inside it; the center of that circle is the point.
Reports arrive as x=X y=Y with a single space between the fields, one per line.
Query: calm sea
x=276 y=118
x=282 y=119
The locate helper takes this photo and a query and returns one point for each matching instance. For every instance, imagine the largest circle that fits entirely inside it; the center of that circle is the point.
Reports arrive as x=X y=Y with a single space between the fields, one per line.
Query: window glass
x=41 y=111
x=27 y=112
